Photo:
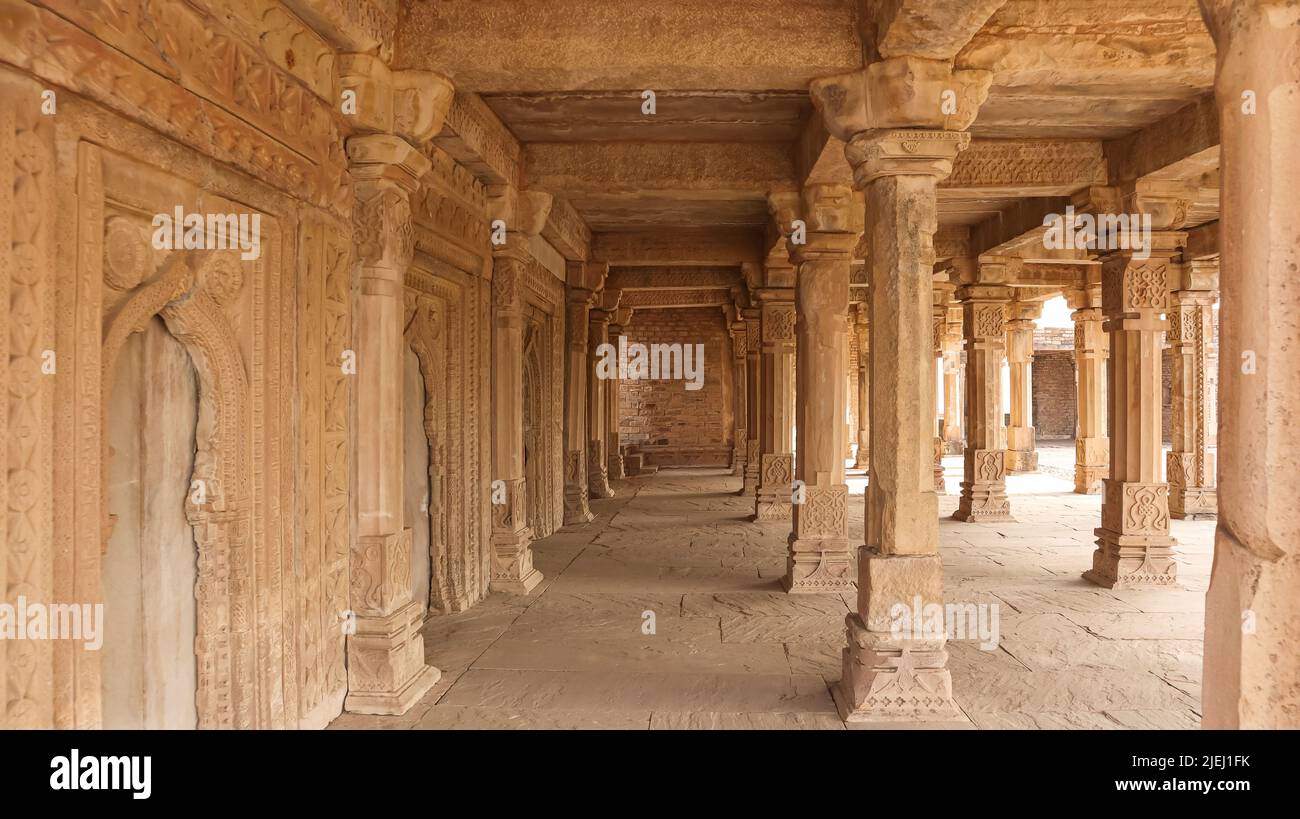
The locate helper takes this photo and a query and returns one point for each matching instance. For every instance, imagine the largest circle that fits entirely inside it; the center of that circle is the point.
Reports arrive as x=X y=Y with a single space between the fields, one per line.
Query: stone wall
x=672 y=425
x=1055 y=411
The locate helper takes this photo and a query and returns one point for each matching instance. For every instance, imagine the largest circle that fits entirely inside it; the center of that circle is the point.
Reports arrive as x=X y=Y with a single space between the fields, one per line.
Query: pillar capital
x=586 y=276
x=899 y=92
x=874 y=154
x=413 y=104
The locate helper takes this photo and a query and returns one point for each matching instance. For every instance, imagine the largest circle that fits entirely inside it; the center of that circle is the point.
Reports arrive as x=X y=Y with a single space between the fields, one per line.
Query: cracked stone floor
x=730 y=650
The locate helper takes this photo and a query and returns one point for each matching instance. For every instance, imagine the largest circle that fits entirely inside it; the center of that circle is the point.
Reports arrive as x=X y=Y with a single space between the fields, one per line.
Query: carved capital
x=898 y=152
x=413 y=104
x=900 y=92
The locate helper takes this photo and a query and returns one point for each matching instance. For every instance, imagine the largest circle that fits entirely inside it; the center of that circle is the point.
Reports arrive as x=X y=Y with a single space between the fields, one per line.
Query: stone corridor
x=731 y=649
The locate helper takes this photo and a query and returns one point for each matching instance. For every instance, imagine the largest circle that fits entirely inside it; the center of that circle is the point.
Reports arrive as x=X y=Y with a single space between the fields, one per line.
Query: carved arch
x=219 y=508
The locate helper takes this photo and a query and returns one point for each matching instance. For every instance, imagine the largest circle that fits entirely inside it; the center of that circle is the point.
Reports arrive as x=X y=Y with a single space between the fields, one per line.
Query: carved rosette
x=823 y=514
x=777 y=471
x=778 y=323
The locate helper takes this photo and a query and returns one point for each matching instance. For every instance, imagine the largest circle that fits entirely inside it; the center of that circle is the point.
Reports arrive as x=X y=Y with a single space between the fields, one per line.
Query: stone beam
x=636 y=169
x=704 y=297
x=504 y=46
x=692 y=247
x=1202 y=242
x=1018 y=229
x=1027 y=167
x=477 y=139
x=922 y=28
x=1184 y=144
x=673 y=278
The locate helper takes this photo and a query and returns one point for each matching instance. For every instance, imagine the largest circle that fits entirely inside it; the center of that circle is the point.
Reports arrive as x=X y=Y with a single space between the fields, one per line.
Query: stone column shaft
x=776 y=472
x=952 y=433
x=891 y=672
x=386 y=669
x=1190 y=464
x=941 y=294
x=1022 y=454
x=1091 y=349
x=597 y=393
x=512 y=555
x=983 y=487
x=1134 y=549
x=739 y=339
x=1251 y=676
x=577 y=366
x=753 y=401
x=819 y=558
x=613 y=387
x=862 y=328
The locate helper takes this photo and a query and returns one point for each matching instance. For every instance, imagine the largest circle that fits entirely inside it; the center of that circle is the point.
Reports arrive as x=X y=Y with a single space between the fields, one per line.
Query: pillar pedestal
x=1190 y=465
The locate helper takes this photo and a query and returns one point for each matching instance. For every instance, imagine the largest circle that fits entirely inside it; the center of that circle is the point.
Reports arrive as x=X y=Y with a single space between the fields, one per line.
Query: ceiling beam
x=682 y=247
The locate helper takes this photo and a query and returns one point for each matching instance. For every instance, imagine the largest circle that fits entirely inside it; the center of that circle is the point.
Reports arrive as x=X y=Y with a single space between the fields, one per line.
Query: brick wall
x=670 y=424
x=1055 y=409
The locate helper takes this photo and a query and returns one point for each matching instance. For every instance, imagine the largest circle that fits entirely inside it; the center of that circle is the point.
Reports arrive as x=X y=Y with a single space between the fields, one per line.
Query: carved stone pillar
x=1190 y=465
x=1022 y=453
x=739 y=340
x=598 y=334
x=952 y=364
x=942 y=294
x=862 y=327
x=1134 y=549
x=819 y=558
x=1091 y=349
x=613 y=447
x=512 y=555
x=584 y=278
x=386 y=669
x=983 y=486
x=1251 y=677
x=892 y=673
x=776 y=472
x=753 y=401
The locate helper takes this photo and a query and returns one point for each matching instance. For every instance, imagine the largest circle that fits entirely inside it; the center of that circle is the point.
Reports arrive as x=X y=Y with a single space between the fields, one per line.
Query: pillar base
x=597 y=471
x=512 y=563
x=521 y=586
x=1133 y=562
x=1020 y=461
x=1090 y=480
x=576 y=510
x=817 y=566
x=1193 y=502
x=983 y=502
x=615 y=468
x=862 y=462
x=737 y=462
x=386 y=670
x=957 y=447
x=769 y=508
x=892 y=680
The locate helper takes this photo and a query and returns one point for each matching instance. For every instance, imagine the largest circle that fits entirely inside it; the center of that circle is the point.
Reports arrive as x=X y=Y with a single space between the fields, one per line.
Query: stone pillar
x=604 y=304
x=1091 y=349
x=1251 y=676
x=983 y=486
x=512 y=555
x=952 y=434
x=753 y=401
x=613 y=445
x=893 y=674
x=776 y=470
x=583 y=279
x=1134 y=549
x=386 y=669
x=862 y=328
x=1190 y=465
x=942 y=293
x=819 y=558
x=1022 y=453
x=739 y=341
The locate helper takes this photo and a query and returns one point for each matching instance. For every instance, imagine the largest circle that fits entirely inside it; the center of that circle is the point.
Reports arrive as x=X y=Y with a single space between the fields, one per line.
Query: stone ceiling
x=566 y=77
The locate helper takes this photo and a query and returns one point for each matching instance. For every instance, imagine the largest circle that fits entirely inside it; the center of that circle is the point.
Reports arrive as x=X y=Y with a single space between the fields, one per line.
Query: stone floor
x=674 y=554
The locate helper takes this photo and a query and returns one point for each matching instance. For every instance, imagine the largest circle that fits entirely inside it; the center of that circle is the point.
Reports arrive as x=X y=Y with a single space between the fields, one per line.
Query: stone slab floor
x=730 y=650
